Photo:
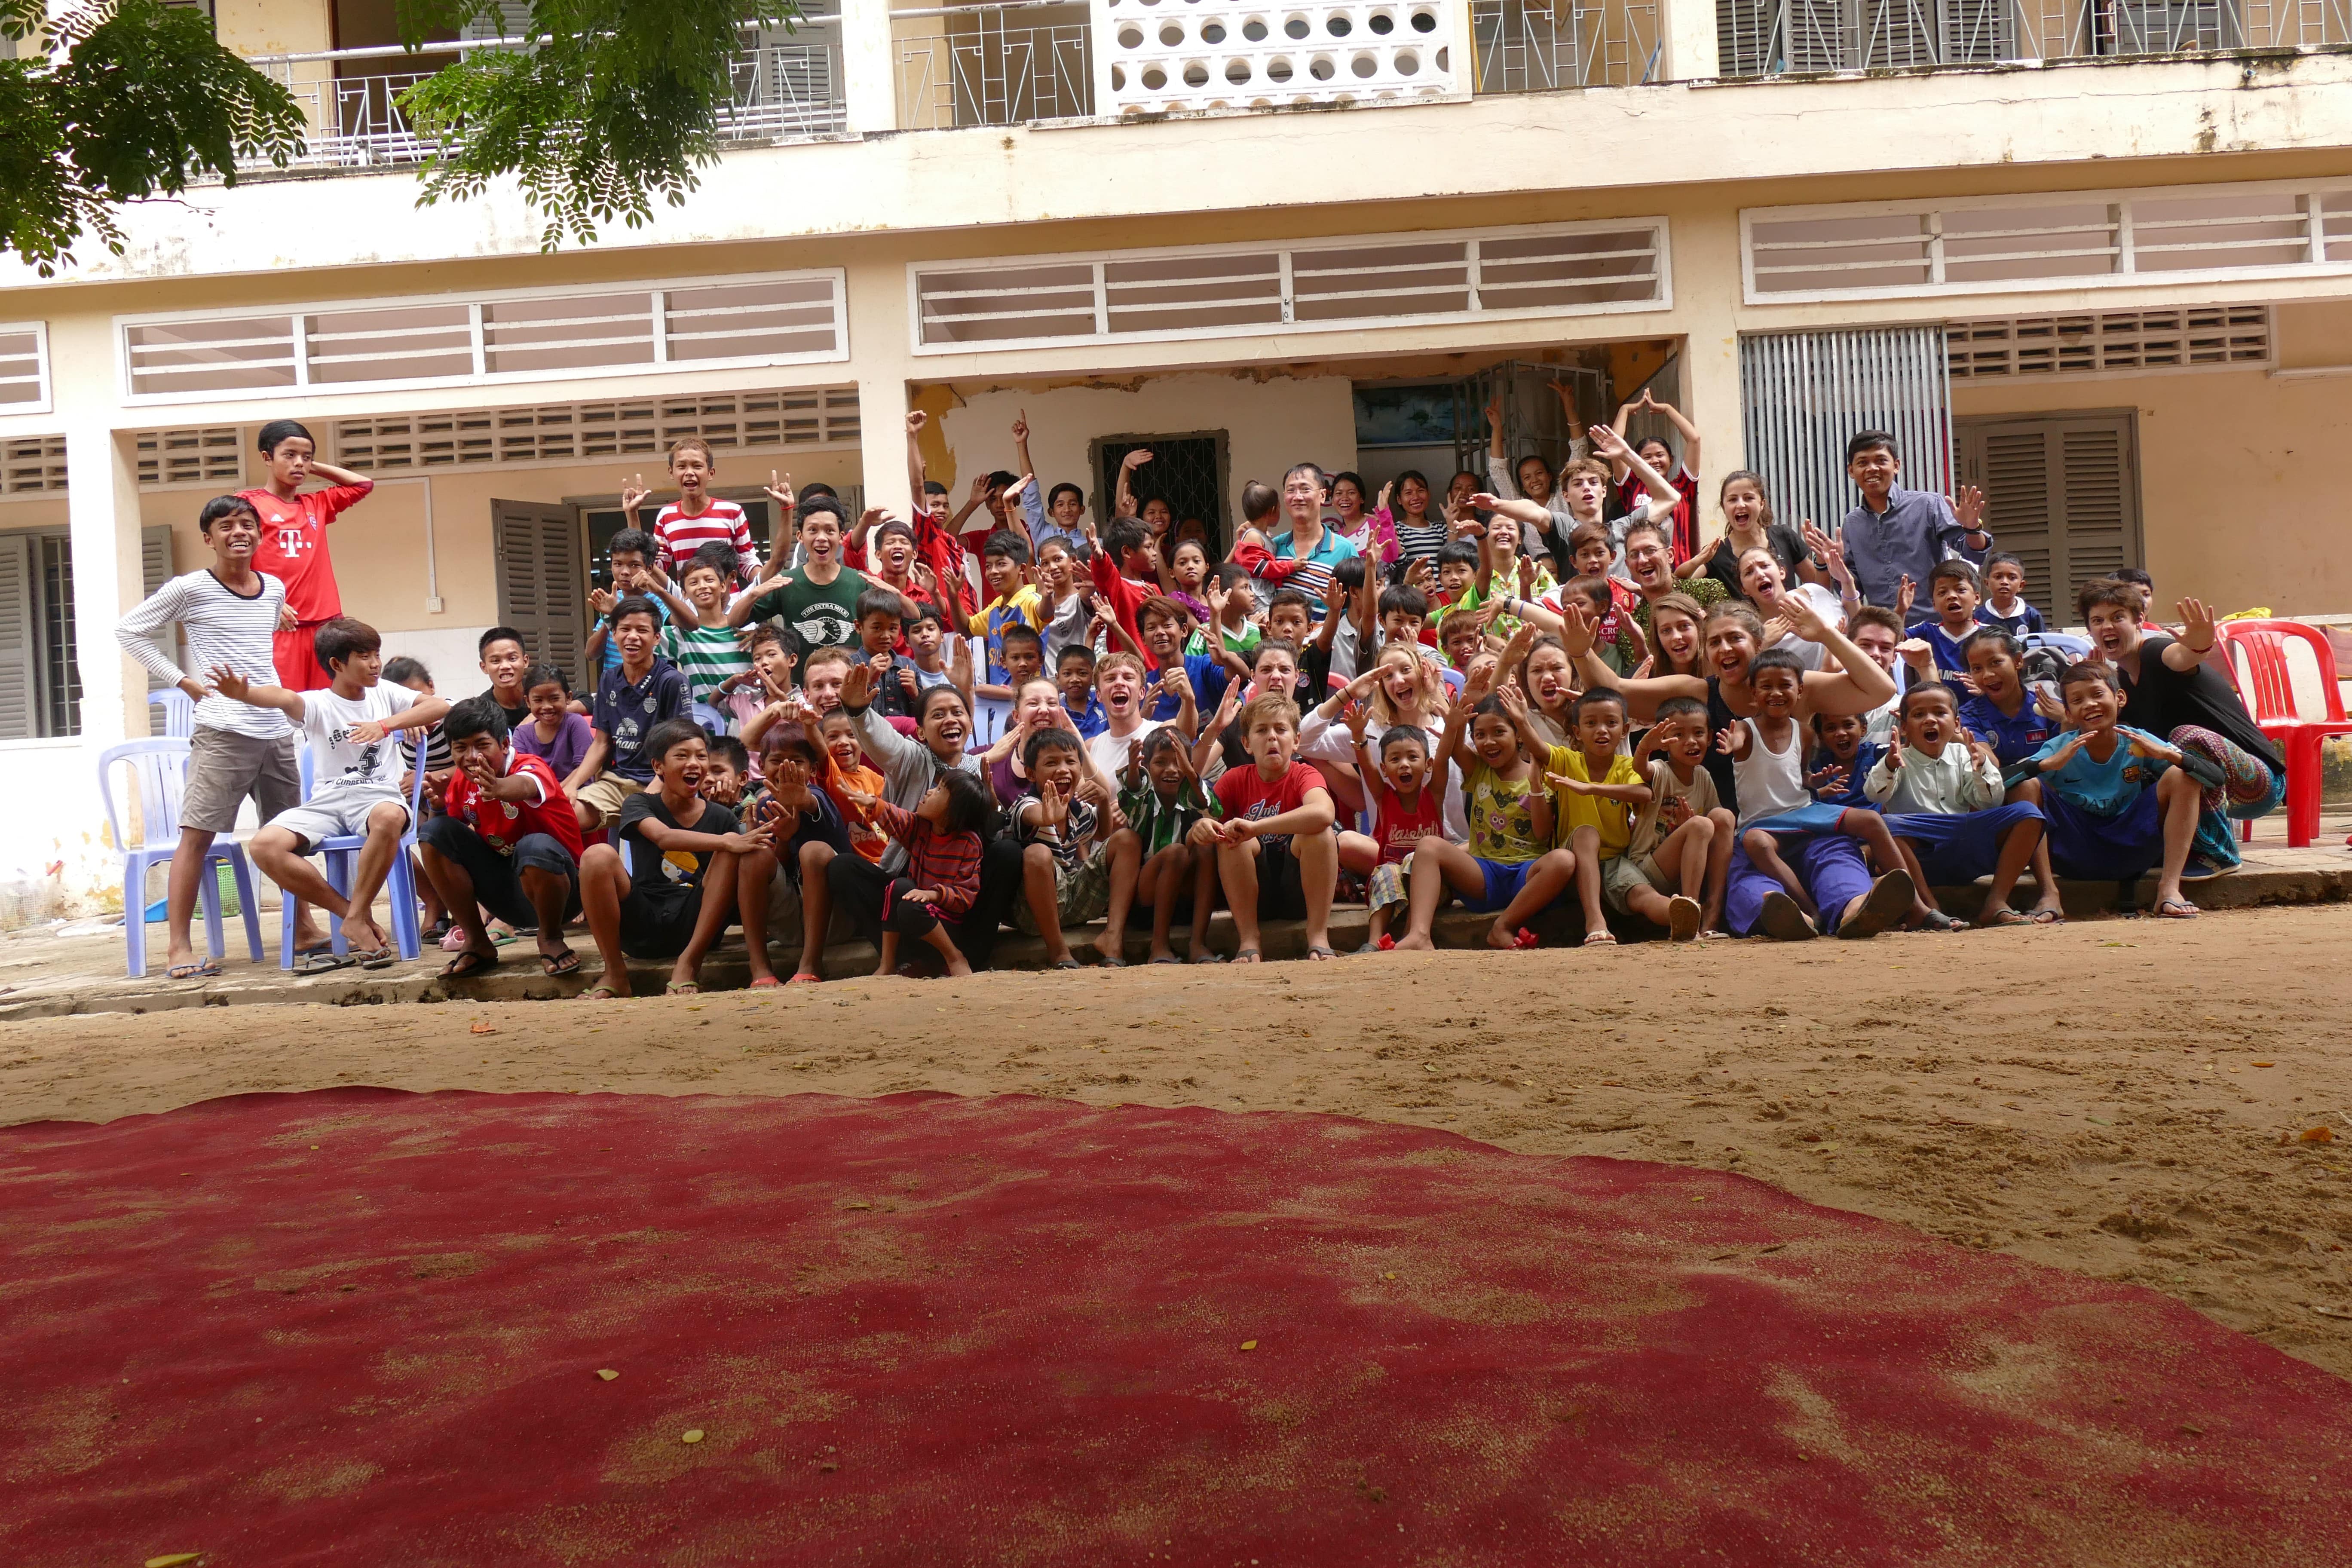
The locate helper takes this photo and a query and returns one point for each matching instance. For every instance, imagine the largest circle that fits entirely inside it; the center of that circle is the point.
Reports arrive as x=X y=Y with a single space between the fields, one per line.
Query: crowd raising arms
x=996 y=712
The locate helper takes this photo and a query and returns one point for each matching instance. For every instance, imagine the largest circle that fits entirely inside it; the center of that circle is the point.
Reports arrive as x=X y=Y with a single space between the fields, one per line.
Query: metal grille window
x=1238 y=290
x=2110 y=238
x=24 y=368
x=790 y=318
x=1760 y=37
x=1188 y=472
x=1537 y=47
x=1804 y=394
x=578 y=432
x=2110 y=343
x=40 y=669
x=992 y=64
x=33 y=465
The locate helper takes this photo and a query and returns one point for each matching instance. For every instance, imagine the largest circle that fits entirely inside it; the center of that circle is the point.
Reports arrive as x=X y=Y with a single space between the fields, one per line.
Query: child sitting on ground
x=1406 y=809
x=1277 y=855
x=1510 y=869
x=637 y=696
x=507 y=846
x=1152 y=859
x=1065 y=867
x=2117 y=802
x=1940 y=790
x=2005 y=606
x=807 y=833
x=676 y=891
x=942 y=837
x=1602 y=792
x=1683 y=839
x=552 y=732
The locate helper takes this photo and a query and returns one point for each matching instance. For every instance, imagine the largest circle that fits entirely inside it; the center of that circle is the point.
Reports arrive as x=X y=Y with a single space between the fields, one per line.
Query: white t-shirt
x=338 y=764
x=1109 y=751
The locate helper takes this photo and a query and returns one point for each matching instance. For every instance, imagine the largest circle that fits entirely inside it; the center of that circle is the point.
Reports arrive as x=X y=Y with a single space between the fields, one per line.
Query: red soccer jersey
x=505 y=822
x=293 y=547
x=1243 y=793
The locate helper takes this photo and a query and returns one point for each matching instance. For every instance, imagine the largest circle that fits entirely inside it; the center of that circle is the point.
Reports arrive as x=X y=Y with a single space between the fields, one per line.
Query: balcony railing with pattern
x=1766 y=37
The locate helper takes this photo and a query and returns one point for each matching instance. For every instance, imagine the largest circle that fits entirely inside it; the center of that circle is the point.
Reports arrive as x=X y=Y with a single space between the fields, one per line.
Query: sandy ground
x=2106 y=1096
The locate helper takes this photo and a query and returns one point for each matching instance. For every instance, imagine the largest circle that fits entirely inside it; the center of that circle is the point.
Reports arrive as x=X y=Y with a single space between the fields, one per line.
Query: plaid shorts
x=1081 y=893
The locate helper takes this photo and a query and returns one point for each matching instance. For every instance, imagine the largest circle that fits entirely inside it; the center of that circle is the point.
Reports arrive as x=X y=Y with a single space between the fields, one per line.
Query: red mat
x=360 y=1326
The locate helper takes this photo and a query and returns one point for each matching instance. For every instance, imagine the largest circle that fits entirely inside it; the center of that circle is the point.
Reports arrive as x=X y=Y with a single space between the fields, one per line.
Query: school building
x=2096 y=259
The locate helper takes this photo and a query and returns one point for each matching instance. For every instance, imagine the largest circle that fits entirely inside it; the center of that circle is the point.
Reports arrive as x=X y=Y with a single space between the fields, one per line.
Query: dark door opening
x=1189 y=472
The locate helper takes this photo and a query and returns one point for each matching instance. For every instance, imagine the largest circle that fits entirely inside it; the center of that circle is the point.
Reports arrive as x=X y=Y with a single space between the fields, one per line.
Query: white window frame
x=657 y=291
x=1282 y=248
x=40 y=330
x=2308 y=191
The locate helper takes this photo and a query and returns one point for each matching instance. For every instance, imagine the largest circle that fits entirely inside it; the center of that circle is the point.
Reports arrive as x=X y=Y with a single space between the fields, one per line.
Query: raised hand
x=917 y=420
x=1484 y=500
x=1174 y=682
x=1214 y=591
x=872 y=518
x=1968 y=506
x=1052 y=807
x=2197 y=625
x=1731 y=741
x=1515 y=701
x=780 y=490
x=230 y=684
x=1802 y=618
x=1905 y=593
x=1577 y=623
x=1386 y=490
x=1134 y=459
x=1527 y=577
x=960 y=662
x=1831 y=777
x=1360 y=717
x=368 y=732
x=978 y=488
x=1607 y=443
x=1020 y=426
x=1571 y=785
x=633 y=495
x=1495 y=415
x=1420 y=574
x=857 y=685
x=2046 y=705
x=925 y=579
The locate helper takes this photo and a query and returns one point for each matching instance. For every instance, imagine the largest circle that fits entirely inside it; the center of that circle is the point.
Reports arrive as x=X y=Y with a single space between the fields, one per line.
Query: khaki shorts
x=225 y=767
x=1621 y=874
x=343 y=815
x=1081 y=895
x=605 y=795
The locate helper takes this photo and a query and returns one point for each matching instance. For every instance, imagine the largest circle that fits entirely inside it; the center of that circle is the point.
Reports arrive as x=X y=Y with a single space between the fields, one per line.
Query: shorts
x=497 y=878
x=1621 y=874
x=1281 y=891
x=1388 y=884
x=225 y=767
x=340 y=816
x=296 y=654
x=1081 y=894
x=1956 y=848
x=658 y=919
x=2087 y=848
x=604 y=795
x=1504 y=880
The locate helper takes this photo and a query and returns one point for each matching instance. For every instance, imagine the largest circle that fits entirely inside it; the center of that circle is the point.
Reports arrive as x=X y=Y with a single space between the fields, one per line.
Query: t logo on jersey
x=291 y=541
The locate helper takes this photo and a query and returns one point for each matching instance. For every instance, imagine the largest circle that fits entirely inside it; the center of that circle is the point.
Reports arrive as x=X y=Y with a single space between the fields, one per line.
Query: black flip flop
x=326 y=960
x=559 y=964
x=468 y=963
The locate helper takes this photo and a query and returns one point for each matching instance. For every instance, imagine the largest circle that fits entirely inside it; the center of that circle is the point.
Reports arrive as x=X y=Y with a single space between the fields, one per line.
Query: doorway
x=1189 y=472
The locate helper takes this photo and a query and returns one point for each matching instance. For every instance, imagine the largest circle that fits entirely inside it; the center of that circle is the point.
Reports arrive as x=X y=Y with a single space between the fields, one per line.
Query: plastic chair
x=340 y=853
x=179 y=712
x=712 y=721
x=2260 y=663
x=161 y=766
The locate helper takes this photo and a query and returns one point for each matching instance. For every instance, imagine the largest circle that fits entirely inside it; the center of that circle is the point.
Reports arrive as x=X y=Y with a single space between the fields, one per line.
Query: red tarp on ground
x=358 y=1326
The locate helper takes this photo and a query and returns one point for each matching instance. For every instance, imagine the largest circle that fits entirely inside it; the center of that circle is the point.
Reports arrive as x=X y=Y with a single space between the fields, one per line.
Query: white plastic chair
x=179 y=717
x=713 y=722
x=161 y=766
x=400 y=884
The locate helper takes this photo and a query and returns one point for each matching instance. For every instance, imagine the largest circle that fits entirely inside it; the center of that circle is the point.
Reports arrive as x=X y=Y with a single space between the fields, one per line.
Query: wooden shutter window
x=20 y=645
x=2062 y=493
x=536 y=548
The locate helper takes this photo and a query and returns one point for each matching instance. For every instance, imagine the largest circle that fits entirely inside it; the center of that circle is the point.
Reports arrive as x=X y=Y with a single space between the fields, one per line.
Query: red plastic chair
x=2258 y=658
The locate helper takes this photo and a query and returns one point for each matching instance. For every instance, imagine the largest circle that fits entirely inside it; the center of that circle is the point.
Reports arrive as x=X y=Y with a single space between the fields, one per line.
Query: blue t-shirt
x=1208 y=674
x=2026 y=619
x=1942 y=647
x=627 y=713
x=2103 y=789
x=1849 y=795
x=2013 y=740
x=1091 y=722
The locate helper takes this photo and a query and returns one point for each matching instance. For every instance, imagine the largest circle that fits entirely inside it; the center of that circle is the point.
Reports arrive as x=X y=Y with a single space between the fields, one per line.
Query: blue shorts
x=1504 y=880
x=1956 y=848
x=2087 y=848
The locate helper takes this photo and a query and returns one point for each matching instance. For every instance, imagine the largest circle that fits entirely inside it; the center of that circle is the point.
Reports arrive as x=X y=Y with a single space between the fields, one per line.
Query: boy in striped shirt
x=696 y=518
x=707 y=650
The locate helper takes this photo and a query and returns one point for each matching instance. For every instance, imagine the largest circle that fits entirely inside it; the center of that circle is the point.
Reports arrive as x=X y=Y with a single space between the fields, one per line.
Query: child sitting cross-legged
x=1277 y=855
x=1940 y=788
x=2117 y=802
x=1065 y=867
x=1766 y=752
x=1407 y=807
x=675 y=892
x=1153 y=860
x=1510 y=869
x=942 y=837
x=1683 y=839
x=1598 y=790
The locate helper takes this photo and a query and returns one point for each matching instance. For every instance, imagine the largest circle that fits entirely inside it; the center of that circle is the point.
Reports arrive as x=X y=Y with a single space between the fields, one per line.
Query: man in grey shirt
x=1896 y=533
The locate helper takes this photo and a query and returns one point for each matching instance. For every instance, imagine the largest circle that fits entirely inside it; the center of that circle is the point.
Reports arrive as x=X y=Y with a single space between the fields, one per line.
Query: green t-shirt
x=822 y=615
x=707 y=656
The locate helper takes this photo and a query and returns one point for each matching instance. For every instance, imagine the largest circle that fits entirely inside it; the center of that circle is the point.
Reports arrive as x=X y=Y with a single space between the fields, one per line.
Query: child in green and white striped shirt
x=711 y=653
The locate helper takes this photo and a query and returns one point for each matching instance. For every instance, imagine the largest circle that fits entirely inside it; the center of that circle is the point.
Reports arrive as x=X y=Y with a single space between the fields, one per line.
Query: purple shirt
x=563 y=753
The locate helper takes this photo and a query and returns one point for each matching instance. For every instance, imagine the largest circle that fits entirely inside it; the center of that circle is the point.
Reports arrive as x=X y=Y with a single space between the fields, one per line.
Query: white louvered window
x=2104 y=237
x=33 y=466
x=2110 y=343
x=782 y=319
x=195 y=455
x=592 y=432
x=1245 y=290
x=24 y=368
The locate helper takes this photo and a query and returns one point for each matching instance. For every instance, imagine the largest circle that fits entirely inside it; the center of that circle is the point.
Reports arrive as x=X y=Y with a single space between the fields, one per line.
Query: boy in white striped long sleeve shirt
x=229 y=614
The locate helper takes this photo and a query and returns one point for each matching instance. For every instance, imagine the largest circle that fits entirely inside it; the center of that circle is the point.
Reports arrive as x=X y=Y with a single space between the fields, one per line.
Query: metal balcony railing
x=1766 y=38
x=1529 y=45
x=992 y=64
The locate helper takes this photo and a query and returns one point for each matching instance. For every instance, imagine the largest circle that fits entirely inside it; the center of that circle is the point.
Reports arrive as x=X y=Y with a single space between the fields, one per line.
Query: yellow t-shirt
x=1502 y=828
x=1612 y=820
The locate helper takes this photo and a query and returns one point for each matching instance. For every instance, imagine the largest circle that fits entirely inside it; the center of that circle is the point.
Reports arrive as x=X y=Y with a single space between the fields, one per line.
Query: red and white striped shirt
x=677 y=536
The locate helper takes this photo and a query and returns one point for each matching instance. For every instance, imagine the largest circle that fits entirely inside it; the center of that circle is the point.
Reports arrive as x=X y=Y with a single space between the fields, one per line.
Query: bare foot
x=1411 y=943
x=958 y=968
x=1497 y=937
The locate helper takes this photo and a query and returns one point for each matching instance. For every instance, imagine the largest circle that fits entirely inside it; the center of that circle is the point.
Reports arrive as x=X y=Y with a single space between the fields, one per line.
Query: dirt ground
x=2105 y=1097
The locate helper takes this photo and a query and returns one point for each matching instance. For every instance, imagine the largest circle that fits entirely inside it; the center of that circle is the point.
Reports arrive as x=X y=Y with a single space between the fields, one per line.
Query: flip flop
x=601 y=993
x=1110 y=960
x=558 y=964
x=1066 y=963
x=1600 y=939
x=468 y=963
x=326 y=963
x=2046 y=917
x=1172 y=958
x=314 y=950
x=1938 y=920
x=1249 y=955
x=2176 y=909
x=203 y=971
x=1881 y=907
x=1783 y=919
x=805 y=980
x=2003 y=916
x=377 y=958
x=682 y=988
x=1682 y=918
x=765 y=982
x=1319 y=955
x=1204 y=956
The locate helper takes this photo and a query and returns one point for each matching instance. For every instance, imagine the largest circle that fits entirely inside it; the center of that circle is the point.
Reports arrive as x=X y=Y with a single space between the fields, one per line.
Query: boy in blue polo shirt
x=643 y=690
x=1952 y=589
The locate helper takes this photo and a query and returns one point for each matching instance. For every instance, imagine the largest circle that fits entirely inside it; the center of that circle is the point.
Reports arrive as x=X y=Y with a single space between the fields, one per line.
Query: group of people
x=1538 y=689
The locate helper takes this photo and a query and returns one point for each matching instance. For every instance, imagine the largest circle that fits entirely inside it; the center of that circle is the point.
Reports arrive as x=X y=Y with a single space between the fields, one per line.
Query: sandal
x=470 y=961
x=765 y=982
x=1600 y=939
x=1937 y=921
x=1249 y=955
x=682 y=988
x=1205 y=956
x=2176 y=909
x=203 y=971
x=558 y=964
x=601 y=993
x=1066 y=963
x=805 y=980
x=377 y=958
x=326 y=963
x=1321 y=954
x=2003 y=916
x=2046 y=917
x=1110 y=960
x=1172 y=958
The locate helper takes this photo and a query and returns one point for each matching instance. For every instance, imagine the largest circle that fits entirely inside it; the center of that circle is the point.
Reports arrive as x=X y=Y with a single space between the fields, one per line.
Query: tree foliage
x=616 y=107
x=135 y=99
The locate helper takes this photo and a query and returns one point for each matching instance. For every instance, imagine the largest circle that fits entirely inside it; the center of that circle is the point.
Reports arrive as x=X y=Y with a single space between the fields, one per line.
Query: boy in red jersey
x=509 y=845
x=697 y=518
x=293 y=546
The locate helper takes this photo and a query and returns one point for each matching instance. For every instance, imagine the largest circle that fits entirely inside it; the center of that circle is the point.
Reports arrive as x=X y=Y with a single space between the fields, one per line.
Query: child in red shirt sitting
x=943 y=836
x=1405 y=810
x=1277 y=855
x=510 y=844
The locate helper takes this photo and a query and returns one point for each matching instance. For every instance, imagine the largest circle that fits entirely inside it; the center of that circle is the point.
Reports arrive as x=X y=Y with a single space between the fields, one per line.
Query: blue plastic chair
x=400 y=885
x=179 y=713
x=161 y=766
x=712 y=721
